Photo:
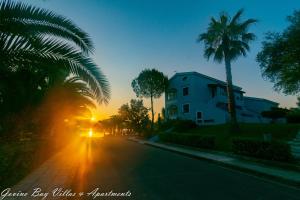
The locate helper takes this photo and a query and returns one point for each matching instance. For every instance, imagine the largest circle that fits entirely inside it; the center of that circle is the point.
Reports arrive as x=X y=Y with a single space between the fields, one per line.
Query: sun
x=91 y=133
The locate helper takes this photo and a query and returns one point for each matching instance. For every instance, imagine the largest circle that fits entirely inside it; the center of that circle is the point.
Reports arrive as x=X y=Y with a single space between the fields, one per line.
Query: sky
x=131 y=35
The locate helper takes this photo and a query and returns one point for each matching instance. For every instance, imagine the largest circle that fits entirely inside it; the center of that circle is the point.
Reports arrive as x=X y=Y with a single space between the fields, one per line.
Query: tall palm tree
x=225 y=40
x=35 y=39
x=67 y=101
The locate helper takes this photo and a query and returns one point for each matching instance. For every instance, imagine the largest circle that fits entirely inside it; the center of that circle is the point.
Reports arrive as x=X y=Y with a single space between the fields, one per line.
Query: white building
x=203 y=99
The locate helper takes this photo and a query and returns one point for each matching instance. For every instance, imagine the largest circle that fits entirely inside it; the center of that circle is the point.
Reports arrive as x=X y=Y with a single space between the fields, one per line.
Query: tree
x=150 y=84
x=279 y=58
x=63 y=103
x=45 y=46
x=225 y=40
x=275 y=113
x=39 y=50
x=135 y=115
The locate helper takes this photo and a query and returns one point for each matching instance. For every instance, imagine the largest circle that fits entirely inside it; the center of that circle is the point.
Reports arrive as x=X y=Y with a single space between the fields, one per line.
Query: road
x=150 y=173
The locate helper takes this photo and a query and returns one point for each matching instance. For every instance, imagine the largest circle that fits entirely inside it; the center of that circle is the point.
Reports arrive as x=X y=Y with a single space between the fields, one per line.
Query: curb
x=274 y=178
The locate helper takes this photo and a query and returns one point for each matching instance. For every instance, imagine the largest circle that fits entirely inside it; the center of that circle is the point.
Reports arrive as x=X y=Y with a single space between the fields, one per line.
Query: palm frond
x=237 y=17
x=31 y=20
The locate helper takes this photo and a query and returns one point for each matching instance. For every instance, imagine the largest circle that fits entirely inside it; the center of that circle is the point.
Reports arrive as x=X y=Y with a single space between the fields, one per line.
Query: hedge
x=178 y=125
x=207 y=142
x=272 y=150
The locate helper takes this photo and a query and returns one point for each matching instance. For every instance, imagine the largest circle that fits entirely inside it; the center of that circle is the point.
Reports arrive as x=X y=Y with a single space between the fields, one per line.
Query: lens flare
x=91 y=133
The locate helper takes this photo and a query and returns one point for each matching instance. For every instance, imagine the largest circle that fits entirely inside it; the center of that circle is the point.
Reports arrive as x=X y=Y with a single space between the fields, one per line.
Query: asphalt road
x=150 y=173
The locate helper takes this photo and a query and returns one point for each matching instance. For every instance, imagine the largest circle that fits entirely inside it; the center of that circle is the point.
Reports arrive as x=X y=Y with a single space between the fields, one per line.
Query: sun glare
x=91 y=133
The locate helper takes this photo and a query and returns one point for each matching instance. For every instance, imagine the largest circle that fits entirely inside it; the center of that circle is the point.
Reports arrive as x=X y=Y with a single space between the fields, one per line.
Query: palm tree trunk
x=230 y=95
x=152 y=113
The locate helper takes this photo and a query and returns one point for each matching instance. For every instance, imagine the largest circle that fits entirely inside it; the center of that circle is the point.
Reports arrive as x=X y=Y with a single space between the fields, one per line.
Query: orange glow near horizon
x=91 y=133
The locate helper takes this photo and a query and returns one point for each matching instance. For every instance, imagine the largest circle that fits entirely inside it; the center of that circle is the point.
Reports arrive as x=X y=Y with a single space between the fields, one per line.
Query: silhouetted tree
x=39 y=50
x=279 y=58
x=135 y=115
x=150 y=84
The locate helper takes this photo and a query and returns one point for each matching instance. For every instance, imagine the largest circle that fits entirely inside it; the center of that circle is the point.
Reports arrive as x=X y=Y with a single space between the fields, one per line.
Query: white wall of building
x=213 y=108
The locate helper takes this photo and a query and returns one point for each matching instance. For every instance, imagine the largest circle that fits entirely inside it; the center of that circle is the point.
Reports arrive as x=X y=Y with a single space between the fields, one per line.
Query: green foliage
x=293 y=116
x=40 y=49
x=178 y=125
x=206 y=142
x=133 y=116
x=150 y=83
x=275 y=113
x=224 y=135
x=227 y=37
x=276 y=151
x=279 y=59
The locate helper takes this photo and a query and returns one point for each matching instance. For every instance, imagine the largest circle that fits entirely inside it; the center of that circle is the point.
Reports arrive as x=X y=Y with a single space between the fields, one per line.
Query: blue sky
x=130 y=35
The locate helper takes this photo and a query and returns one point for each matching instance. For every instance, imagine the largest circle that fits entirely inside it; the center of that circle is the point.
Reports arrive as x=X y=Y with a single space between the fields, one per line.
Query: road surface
x=119 y=165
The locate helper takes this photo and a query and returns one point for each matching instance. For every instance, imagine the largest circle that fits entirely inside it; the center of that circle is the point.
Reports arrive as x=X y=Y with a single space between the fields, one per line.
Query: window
x=171 y=95
x=185 y=91
x=184 y=78
x=172 y=110
x=213 y=92
x=186 y=108
x=199 y=115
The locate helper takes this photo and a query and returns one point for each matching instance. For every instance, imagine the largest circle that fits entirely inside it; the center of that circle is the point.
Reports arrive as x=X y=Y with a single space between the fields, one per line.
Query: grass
x=282 y=132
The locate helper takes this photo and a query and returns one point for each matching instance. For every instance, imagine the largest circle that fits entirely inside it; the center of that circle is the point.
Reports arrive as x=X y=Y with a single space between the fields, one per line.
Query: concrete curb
x=278 y=179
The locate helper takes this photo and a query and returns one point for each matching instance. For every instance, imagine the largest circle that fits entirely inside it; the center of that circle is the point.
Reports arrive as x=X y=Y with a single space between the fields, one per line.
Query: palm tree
x=35 y=39
x=226 y=39
x=69 y=100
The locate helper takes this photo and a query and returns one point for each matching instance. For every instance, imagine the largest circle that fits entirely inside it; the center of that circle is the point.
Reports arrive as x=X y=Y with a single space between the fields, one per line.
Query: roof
x=260 y=99
x=203 y=76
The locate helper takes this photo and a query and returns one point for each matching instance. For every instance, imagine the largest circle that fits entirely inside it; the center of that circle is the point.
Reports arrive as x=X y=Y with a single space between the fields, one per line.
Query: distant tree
x=225 y=40
x=163 y=113
x=135 y=115
x=159 y=121
x=150 y=84
x=279 y=59
x=293 y=115
x=275 y=113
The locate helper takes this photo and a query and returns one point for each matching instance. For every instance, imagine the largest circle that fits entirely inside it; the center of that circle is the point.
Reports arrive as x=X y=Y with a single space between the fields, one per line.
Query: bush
x=293 y=116
x=207 y=142
x=273 y=150
x=178 y=125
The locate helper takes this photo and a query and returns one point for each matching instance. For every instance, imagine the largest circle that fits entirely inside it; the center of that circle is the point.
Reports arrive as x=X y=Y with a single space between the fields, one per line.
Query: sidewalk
x=291 y=177
x=54 y=173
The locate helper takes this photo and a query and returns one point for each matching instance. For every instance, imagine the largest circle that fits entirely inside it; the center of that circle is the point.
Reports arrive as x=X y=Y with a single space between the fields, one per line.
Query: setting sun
x=91 y=133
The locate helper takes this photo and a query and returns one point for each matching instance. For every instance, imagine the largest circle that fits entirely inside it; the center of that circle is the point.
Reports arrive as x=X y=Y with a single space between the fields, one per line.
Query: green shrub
x=293 y=116
x=178 y=125
x=273 y=150
x=207 y=142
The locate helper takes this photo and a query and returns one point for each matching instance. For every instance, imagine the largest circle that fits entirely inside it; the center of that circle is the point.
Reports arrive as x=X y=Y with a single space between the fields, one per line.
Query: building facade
x=203 y=99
